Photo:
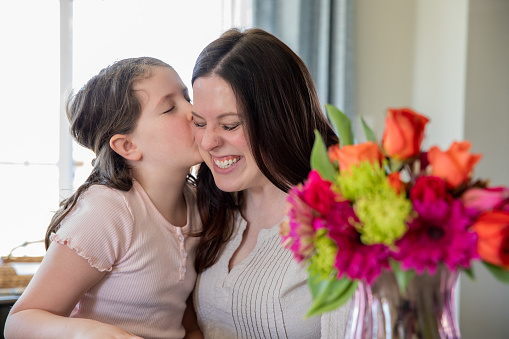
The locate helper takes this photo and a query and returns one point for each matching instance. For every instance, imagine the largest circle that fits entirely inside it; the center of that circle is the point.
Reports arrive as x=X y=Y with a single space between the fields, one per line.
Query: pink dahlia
x=440 y=233
x=308 y=204
x=354 y=259
x=486 y=199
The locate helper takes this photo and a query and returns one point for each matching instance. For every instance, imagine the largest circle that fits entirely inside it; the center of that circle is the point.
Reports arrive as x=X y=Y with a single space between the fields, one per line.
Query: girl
x=120 y=262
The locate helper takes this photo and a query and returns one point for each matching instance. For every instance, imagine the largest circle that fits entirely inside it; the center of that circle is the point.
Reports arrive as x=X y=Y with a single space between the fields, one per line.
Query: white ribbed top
x=264 y=296
x=149 y=262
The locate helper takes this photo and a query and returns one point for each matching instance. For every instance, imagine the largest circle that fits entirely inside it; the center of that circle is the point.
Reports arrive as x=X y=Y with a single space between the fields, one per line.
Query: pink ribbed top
x=149 y=262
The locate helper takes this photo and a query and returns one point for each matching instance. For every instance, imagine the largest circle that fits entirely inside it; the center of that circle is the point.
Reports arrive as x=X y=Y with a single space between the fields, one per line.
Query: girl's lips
x=226 y=162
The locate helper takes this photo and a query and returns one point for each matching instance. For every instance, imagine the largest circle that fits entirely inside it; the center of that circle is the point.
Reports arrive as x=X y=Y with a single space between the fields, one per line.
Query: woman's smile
x=226 y=162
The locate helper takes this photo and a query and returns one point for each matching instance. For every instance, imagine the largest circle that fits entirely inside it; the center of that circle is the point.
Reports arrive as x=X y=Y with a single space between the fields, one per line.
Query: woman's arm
x=43 y=309
x=190 y=321
x=334 y=322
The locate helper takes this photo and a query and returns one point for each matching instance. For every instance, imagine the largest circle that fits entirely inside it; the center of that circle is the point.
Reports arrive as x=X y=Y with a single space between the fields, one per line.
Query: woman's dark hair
x=280 y=109
x=106 y=105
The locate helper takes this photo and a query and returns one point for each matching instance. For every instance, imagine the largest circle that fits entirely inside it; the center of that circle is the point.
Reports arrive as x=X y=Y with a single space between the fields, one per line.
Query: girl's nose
x=189 y=112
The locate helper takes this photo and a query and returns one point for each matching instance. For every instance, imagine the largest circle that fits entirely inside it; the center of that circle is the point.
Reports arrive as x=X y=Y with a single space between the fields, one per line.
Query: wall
x=486 y=125
x=450 y=61
x=438 y=89
x=384 y=40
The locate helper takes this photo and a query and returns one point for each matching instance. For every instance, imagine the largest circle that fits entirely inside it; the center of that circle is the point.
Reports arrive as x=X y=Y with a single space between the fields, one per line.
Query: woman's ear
x=123 y=146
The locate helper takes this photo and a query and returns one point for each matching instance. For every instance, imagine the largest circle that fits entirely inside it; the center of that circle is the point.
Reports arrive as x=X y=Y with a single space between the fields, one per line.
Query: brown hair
x=277 y=97
x=106 y=105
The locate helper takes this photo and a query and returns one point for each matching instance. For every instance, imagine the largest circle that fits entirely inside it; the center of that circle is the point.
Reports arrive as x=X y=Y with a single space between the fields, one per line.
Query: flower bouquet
x=389 y=207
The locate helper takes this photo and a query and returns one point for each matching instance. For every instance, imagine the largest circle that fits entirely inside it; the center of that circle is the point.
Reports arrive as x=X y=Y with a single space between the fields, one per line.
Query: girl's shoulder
x=103 y=192
x=103 y=197
x=104 y=204
x=100 y=226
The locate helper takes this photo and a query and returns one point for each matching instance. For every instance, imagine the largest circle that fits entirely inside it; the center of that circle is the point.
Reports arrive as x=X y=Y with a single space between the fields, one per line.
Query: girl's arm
x=43 y=309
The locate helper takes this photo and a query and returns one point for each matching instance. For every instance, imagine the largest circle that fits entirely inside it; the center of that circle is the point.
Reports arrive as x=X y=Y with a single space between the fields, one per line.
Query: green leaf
x=470 y=273
x=320 y=160
x=499 y=273
x=341 y=124
x=395 y=165
x=370 y=135
x=402 y=277
x=328 y=294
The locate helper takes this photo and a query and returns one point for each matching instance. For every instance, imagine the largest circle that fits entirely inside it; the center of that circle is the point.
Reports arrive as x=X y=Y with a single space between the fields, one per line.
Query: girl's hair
x=280 y=110
x=106 y=105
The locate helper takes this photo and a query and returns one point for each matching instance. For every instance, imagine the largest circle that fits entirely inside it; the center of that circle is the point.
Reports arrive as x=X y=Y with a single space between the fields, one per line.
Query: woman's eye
x=171 y=109
x=230 y=127
x=197 y=124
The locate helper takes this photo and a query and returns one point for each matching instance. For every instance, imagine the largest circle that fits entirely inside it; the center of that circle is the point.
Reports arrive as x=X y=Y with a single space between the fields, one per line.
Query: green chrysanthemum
x=383 y=217
x=382 y=211
x=322 y=263
x=361 y=180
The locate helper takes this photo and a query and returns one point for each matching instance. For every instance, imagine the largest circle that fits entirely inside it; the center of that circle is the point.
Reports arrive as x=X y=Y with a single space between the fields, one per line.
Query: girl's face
x=220 y=136
x=163 y=131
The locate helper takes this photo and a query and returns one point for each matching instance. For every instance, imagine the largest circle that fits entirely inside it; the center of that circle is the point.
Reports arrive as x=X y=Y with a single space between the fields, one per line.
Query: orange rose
x=355 y=154
x=395 y=181
x=403 y=134
x=454 y=165
x=493 y=231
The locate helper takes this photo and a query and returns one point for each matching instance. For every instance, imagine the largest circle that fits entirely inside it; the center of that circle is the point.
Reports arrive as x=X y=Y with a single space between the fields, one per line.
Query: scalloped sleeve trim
x=91 y=261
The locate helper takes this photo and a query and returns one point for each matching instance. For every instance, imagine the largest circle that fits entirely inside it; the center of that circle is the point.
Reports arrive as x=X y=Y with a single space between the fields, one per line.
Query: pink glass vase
x=426 y=308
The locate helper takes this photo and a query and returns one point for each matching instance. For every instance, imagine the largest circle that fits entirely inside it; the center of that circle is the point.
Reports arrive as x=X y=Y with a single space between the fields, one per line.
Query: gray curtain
x=321 y=33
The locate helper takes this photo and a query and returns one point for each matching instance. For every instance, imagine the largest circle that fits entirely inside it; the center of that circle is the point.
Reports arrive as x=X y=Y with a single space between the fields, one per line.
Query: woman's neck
x=263 y=207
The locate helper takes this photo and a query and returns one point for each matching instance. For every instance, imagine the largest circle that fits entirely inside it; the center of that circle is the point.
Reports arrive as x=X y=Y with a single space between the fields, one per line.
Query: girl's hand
x=93 y=330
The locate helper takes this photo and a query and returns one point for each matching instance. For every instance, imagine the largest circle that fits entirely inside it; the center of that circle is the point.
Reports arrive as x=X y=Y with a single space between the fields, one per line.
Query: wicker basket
x=9 y=278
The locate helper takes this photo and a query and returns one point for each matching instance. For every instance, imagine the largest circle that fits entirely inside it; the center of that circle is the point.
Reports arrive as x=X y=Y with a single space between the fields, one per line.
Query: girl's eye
x=168 y=111
x=231 y=127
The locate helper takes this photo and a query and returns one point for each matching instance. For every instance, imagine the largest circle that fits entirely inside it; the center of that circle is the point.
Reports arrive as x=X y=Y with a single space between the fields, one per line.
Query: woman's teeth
x=226 y=163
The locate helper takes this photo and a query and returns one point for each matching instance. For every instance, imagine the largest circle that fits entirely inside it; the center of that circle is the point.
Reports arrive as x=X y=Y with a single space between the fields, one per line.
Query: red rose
x=317 y=194
x=428 y=190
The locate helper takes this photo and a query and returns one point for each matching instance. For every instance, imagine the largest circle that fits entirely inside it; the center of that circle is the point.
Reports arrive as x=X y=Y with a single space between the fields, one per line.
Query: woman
x=255 y=110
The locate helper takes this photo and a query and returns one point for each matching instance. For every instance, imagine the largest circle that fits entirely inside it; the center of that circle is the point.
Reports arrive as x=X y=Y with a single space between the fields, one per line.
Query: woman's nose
x=210 y=140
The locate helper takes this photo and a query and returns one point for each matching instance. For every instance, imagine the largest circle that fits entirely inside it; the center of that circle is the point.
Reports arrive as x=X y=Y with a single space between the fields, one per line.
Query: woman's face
x=221 y=138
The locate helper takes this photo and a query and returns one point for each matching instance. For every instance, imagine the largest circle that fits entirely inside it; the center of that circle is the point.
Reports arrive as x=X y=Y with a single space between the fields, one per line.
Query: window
x=51 y=42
